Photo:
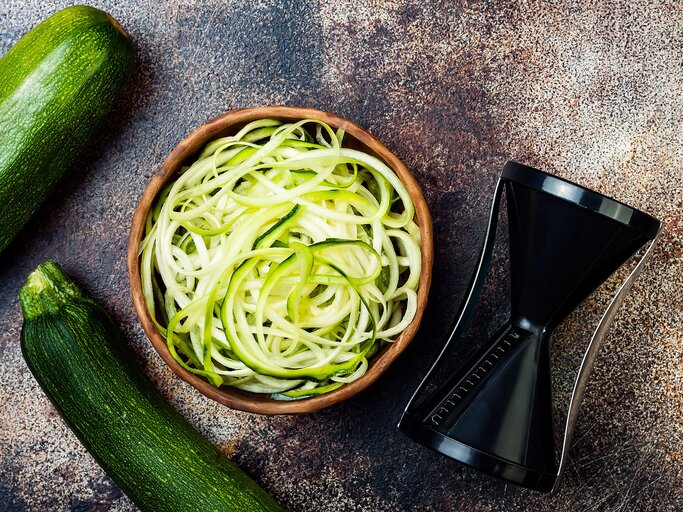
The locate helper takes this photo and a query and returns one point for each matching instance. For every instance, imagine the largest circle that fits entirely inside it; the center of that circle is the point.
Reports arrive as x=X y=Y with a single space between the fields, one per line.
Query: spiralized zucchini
x=280 y=261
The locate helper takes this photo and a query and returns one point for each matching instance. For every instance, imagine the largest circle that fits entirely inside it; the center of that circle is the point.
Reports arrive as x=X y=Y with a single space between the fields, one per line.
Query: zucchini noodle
x=281 y=261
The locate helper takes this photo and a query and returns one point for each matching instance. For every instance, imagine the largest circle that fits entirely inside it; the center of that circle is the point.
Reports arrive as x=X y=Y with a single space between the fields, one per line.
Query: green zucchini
x=79 y=358
x=56 y=84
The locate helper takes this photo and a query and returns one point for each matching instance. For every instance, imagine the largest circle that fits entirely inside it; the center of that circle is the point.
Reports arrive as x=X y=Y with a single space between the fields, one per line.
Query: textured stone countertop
x=591 y=91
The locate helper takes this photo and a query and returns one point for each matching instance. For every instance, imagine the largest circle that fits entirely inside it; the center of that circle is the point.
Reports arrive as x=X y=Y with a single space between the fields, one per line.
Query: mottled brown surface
x=590 y=91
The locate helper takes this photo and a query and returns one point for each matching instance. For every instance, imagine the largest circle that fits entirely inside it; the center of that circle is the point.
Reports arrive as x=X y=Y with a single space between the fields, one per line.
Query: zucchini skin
x=56 y=84
x=79 y=358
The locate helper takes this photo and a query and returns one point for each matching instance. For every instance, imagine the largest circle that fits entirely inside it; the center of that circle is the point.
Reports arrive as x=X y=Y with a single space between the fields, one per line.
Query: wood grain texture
x=229 y=124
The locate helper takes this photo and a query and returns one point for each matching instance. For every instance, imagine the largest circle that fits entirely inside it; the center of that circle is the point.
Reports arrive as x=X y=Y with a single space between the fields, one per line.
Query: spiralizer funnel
x=496 y=412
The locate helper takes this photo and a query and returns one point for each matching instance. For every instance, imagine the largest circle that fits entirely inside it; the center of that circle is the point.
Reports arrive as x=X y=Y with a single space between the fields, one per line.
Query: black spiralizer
x=496 y=412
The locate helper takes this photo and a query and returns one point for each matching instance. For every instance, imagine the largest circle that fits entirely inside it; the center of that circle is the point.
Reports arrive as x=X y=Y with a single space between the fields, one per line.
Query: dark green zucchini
x=56 y=84
x=80 y=360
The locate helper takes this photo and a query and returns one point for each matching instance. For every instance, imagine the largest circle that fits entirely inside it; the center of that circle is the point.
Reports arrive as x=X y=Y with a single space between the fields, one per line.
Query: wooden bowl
x=228 y=124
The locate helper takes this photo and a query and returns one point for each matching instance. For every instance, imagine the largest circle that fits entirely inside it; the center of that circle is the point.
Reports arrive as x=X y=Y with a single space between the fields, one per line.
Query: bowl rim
x=186 y=149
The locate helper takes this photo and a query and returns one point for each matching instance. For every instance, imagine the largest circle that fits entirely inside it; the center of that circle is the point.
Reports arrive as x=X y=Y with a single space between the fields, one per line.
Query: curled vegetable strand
x=280 y=261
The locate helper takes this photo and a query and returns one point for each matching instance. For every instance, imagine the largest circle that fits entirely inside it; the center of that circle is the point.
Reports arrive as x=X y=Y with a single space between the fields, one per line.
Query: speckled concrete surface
x=588 y=90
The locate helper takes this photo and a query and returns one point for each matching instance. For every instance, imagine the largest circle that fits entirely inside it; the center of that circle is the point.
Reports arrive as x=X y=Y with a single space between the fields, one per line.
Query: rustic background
x=588 y=90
